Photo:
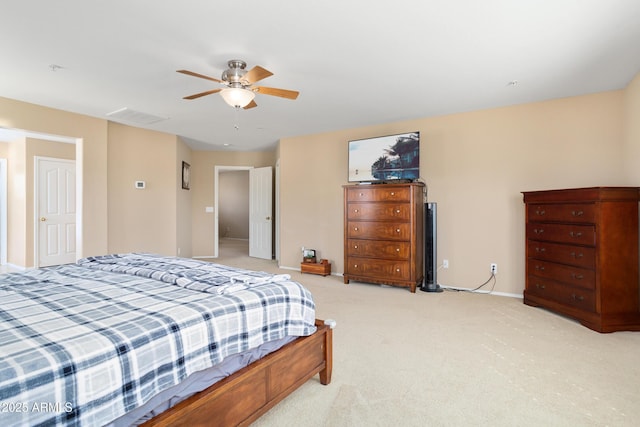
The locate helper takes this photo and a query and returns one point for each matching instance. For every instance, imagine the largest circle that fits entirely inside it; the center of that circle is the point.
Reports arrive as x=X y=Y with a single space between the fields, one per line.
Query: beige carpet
x=456 y=359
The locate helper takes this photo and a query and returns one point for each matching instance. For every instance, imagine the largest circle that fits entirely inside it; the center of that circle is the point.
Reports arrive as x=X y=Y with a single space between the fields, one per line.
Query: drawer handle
x=355 y=247
x=397 y=230
x=393 y=193
x=540 y=267
x=575 y=234
x=355 y=210
x=355 y=265
x=355 y=228
x=397 y=210
x=539 y=286
x=577 y=276
x=361 y=194
x=397 y=249
x=577 y=213
x=577 y=297
x=538 y=230
x=575 y=255
x=541 y=249
x=397 y=270
x=540 y=212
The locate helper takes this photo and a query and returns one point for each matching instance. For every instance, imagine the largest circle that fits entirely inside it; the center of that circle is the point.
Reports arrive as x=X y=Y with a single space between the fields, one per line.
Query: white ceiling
x=355 y=62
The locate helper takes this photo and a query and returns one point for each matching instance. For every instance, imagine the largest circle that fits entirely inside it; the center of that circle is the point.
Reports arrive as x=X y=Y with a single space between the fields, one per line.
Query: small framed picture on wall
x=186 y=177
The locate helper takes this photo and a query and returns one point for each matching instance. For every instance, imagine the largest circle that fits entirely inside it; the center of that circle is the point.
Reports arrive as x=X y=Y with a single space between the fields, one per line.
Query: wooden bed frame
x=244 y=396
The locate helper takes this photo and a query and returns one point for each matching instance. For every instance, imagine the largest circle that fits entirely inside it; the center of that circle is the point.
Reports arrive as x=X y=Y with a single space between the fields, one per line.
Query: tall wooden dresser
x=384 y=234
x=582 y=255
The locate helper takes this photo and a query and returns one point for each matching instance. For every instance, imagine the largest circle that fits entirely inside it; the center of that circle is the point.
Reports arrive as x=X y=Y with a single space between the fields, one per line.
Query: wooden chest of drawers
x=582 y=255
x=384 y=234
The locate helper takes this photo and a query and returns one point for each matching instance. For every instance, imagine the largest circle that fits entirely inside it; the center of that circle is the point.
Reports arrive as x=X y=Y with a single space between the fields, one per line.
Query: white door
x=56 y=211
x=261 y=212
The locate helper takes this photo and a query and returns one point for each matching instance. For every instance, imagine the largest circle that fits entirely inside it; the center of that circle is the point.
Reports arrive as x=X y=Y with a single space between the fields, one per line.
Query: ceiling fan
x=240 y=89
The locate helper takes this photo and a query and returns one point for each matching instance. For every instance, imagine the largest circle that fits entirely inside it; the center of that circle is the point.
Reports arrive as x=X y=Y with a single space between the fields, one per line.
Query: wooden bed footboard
x=244 y=396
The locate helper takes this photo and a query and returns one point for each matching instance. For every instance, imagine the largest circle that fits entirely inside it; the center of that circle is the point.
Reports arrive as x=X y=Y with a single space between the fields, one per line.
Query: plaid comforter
x=84 y=343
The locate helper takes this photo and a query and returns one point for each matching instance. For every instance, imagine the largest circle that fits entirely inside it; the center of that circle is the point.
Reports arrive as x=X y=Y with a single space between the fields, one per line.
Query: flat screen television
x=385 y=158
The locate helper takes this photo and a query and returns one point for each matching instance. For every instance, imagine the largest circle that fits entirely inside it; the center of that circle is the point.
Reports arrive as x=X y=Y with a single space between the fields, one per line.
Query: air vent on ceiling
x=132 y=116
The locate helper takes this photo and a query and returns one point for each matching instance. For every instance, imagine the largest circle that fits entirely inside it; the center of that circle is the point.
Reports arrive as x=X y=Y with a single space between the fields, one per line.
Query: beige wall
x=475 y=166
x=183 y=208
x=17 y=203
x=144 y=220
x=632 y=131
x=202 y=173
x=91 y=161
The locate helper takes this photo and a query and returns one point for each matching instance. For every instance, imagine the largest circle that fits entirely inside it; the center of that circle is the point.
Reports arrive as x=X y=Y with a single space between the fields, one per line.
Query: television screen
x=385 y=158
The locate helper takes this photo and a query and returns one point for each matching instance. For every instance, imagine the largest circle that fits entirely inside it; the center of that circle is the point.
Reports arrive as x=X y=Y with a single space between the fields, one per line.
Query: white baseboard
x=298 y=269
x=16 y=267
x=482 y=291
x=454 y=288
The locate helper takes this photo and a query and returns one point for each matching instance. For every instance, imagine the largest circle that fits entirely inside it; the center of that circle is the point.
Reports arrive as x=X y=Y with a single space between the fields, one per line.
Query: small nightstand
x=315 y=268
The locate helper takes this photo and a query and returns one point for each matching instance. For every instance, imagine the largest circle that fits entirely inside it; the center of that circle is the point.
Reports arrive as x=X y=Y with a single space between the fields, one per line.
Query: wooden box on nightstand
x=323 y=269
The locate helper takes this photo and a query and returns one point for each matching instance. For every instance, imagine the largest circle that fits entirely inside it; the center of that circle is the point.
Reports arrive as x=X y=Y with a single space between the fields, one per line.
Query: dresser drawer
x=378 y=249
x=379 y=193
x=580 y=256
x=379 y=211
x=566 y=212
x=378 y=230
x=568 y=295
x=565 y=233
x=378 y=269
x=575 y=276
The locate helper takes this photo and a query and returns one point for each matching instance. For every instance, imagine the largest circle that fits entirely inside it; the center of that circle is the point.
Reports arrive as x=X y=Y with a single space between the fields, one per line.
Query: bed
x=140 y=339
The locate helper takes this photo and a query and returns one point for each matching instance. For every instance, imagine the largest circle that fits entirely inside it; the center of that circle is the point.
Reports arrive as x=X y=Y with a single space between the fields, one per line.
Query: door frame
x=216 y=179
x=276 y=209
x=36 y=204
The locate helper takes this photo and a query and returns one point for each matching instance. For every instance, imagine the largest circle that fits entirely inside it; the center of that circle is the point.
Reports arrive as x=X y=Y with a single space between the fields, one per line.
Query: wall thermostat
x=140 y=185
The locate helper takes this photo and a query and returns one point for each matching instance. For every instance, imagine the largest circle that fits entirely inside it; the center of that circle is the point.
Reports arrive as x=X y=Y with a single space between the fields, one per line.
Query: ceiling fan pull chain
x=237 y=120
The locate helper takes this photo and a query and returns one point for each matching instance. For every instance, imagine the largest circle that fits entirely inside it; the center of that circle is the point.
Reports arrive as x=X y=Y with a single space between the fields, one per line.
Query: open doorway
x=233 y=213
x=17 y=200
x=260 y=209
x=234 y=183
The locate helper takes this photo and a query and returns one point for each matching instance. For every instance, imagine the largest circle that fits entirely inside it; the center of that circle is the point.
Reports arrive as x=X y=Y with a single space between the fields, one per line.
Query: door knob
x=43 y=219
x=268 y=218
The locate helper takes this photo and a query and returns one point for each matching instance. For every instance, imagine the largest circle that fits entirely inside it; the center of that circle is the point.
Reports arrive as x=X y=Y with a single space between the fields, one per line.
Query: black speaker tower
x=430 y=282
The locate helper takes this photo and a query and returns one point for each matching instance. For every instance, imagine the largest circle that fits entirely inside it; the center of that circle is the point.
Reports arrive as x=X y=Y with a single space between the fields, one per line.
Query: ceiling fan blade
x=198 y=95
x=282 y=93
x=257 y=73
x=250 y=105
x=202 y=76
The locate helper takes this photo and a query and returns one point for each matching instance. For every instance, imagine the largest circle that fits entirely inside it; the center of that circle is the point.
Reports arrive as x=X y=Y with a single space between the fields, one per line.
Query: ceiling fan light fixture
x=237 y=97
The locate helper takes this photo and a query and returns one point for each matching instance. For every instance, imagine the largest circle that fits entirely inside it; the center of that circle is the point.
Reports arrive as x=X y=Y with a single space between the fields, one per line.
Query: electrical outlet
x=445 y=263
x=494 y=268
